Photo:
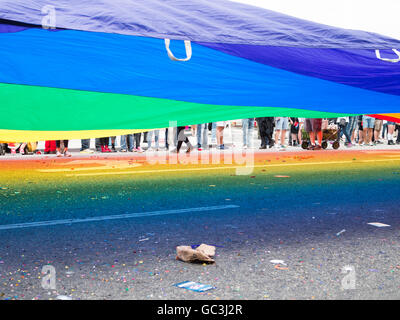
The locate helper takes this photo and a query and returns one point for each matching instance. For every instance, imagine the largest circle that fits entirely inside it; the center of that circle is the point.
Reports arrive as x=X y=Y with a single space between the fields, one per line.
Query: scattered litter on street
x=194 y=286
x=275 y=261
x=203 y=253
x=340 y=232
x=378 y=224
x=64 y=297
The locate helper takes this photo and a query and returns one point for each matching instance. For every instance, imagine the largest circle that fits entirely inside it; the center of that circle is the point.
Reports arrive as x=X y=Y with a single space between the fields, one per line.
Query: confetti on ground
x=278 y=267
x=378 y=224
x=194 y=286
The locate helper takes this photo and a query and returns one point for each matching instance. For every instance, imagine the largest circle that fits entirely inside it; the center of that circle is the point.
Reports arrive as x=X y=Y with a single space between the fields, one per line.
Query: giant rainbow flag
x=79 y=69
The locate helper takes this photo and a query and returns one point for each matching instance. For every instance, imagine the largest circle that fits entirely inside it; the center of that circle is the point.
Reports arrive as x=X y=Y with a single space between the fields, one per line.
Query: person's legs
x=50 y=146
x=205 y=135
x=97 y=144
x=245 y=126
x=353 y=136
x=262 y=130
x=390 y=128
x=284 y=128
x=157 y=138
x=85 y=144
x=315 y=125
x=351 y=127
x=377 y=129
x=294 y=139
x=360 y=136
x=368 y=132
x=346 y=133
x=309 y=129
x=312 y=138
x=319 y=137
x=156 y=134
x=250 y=131
x=58 y=148
x=113 y=138
x=149 y=139
x=182 y=138
x=103 y=142
x=300 y=134
x=398 y=133
x=106 y=142
x=220 y=136
x=129 y=140
x=198 y=134
x=22 y=148
x=368 y=124
x=66 y=152
x=123 y=143
x=278 y=127
x=137 y=137
x=213 y=132
x=166 y=139
x=283 y=137
x=277 y=135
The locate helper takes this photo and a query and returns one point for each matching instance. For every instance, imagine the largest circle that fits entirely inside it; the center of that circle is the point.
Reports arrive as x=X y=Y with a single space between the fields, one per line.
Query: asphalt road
x=309 y=209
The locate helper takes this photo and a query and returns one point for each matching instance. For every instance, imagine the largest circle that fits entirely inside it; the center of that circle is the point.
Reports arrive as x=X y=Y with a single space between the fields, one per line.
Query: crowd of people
x=274 y=132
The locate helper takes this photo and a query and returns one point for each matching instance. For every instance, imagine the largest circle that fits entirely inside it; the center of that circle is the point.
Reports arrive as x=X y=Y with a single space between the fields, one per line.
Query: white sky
x=379 y=16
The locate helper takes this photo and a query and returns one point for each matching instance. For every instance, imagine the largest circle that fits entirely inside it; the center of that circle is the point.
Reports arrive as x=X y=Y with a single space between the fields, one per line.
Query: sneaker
x=349 y=145
x=264 y=147
x=221 y=147
x=107 y=149
x=139 y=149
x=390 y=143
x=174 y=151
x=123 y=150
x=371 y=144
x=311 y=147
x=317 y=147
x=245 y=147
x=67 y=154
x=86 y=151
x=189 y=149
x=58 y=154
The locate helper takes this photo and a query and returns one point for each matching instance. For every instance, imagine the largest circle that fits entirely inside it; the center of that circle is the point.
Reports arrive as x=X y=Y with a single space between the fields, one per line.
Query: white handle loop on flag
x=188 y=48
x=378 y=55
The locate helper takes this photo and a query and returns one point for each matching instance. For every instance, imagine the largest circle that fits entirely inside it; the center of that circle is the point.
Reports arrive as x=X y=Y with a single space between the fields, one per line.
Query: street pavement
x=109 y=225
